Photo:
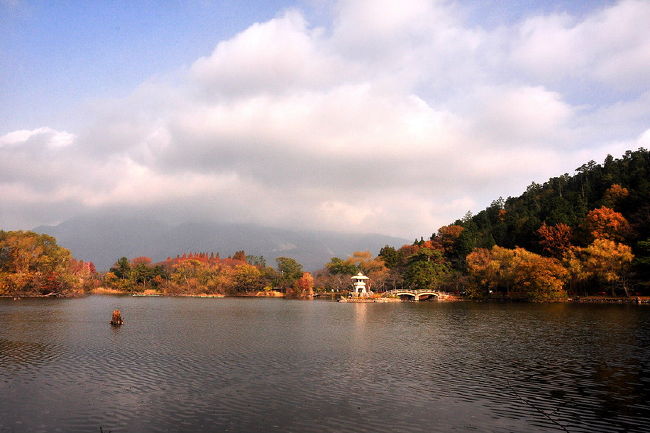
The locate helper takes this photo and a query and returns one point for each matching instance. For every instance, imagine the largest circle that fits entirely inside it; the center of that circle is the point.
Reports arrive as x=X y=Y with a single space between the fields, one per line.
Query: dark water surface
x=268 y=365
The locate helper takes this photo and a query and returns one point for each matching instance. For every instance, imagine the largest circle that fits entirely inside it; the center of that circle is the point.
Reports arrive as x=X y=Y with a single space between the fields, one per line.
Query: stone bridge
x=416 y=295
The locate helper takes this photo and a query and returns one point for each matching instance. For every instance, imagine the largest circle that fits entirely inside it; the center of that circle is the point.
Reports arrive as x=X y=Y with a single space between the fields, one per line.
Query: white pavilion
x=359 y=284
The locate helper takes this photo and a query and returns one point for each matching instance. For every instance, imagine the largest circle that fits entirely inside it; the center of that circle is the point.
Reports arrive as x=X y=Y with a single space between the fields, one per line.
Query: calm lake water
x=265 y=365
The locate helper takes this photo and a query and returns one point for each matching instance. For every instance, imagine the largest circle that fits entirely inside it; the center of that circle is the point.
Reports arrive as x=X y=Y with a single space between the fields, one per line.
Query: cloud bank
x=391 y=117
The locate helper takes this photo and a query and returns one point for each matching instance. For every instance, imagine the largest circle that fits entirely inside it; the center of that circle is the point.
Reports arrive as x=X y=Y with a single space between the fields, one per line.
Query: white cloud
x=522 y=116
x=394 y=118
x=47 y=136
x=611 y=46
x=281 y=55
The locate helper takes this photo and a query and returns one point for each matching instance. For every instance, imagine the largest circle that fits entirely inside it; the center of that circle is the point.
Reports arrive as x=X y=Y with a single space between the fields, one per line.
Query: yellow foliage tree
x=33 y=264
x=604 y=260
x=517 y=270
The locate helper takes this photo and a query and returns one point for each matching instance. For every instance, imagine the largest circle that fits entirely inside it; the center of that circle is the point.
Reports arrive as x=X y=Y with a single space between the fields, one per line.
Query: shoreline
x=609 y=300
x=632 y=300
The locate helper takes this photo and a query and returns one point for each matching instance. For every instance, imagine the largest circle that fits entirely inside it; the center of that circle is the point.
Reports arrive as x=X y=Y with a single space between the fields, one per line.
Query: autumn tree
x=335 y=275
x=556 y=239
x=373 y=267
x=247 y=278
x=520 y=271
x=337 y=272
x=85 y=273
x=606 y=223
x=393 y=280
x=187 y=274
x=604 y=261
x=484 y=269
x=303 y=287
x=448 y=237
x=614 y=194
x=142 y=260
x=541 y=278
x=33 y=264
x=192 y=273
x=221 y=279
x=142 y=272
x=239 y=255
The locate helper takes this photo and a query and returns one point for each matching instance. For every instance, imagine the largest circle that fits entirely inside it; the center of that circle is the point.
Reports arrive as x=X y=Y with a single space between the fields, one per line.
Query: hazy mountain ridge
x=103 y=240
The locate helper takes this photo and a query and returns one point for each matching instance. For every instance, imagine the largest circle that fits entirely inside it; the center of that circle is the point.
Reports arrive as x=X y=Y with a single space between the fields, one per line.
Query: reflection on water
x=264 y=365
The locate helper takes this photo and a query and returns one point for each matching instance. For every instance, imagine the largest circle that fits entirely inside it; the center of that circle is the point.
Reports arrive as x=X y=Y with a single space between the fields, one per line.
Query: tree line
x=208 y=273
x=32 y=264
x=580 y=235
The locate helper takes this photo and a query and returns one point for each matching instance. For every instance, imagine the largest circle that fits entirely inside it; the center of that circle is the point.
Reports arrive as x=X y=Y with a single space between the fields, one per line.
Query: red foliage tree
x=556 y=239
x=142 y=260
x=239 y=255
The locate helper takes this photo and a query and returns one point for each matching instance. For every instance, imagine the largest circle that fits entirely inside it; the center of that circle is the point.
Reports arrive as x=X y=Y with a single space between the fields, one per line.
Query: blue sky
x=362 y=115
x=58 y=54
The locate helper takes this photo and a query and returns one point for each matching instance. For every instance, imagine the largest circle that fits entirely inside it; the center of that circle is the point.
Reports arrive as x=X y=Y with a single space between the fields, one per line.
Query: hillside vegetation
x=575 y=235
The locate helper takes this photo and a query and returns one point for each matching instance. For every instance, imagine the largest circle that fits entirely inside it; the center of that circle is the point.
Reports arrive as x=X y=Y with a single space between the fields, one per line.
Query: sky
x=382 y=116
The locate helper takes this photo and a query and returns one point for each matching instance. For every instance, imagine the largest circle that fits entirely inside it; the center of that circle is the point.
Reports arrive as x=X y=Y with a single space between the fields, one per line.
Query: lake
x=271 y=365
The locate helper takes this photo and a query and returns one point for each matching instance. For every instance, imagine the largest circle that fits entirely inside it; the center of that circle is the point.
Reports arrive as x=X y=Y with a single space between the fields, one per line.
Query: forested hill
x=619 y=184
x=576 y=235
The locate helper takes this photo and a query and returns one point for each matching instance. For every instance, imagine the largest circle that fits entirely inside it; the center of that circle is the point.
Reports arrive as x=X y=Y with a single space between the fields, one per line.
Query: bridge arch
x=426 y=295
x=416 y=295
x=406 y=294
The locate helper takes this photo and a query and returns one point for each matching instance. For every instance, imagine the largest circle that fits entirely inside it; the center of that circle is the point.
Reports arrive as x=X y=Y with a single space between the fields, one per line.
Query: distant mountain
x=103 y=240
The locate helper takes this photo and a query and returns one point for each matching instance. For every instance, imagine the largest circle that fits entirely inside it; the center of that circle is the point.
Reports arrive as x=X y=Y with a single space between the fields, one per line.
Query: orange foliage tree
x=304 y=286
x=373 y=267
x=239 y=255
x=606 y=223
x=614 y=194
x=448 y=235
x=556 y=239
x=141 y=261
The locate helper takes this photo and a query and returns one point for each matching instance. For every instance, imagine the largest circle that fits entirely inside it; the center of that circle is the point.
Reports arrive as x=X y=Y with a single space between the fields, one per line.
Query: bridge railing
x=413 y=291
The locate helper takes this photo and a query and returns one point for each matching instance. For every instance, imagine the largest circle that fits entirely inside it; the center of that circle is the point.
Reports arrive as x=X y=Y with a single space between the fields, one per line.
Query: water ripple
x=245 y=365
